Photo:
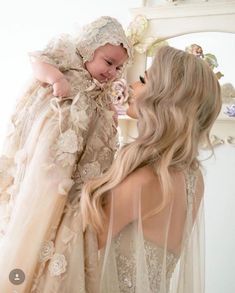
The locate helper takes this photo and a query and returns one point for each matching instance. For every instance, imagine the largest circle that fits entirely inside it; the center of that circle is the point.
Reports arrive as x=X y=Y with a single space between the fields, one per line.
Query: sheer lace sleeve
x=60 y=52
x=47 y=160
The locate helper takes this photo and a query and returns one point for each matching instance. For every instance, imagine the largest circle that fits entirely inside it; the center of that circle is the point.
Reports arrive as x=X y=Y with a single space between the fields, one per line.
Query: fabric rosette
x=120 y=92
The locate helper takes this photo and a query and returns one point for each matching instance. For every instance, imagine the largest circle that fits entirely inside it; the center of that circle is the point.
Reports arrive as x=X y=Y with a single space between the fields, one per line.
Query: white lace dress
x=54 y=147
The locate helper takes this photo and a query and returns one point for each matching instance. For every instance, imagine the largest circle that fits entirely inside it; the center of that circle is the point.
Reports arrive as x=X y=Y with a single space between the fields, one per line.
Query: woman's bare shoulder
x=143 y=176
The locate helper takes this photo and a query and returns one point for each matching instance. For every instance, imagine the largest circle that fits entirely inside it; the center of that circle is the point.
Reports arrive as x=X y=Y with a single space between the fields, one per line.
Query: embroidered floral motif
x=106 y=157
x=90 y=170
x=57 y=265
x=68 y=143
x=47 y=251
x=66 y=159
x=119 y=92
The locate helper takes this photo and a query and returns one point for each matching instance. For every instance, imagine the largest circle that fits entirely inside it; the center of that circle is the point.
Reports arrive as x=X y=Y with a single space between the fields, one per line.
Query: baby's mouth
x=104 y=78
x=130 y=100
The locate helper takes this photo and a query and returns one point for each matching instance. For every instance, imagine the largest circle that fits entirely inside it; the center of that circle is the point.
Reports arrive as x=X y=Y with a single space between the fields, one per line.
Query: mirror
x=222 y=46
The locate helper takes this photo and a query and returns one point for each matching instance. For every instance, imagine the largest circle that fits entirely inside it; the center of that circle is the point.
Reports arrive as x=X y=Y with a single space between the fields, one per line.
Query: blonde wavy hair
x=176 y=111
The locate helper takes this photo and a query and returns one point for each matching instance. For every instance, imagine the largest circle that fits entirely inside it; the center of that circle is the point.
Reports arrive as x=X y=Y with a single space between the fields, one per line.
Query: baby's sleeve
x=60 y=52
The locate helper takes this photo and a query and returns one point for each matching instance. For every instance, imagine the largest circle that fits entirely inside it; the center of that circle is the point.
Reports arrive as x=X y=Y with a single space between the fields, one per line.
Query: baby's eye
x=109 y=62
x=142 y=80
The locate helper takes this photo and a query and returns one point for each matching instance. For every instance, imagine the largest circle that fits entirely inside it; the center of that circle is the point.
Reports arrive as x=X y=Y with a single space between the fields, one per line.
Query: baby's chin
x=131 y=112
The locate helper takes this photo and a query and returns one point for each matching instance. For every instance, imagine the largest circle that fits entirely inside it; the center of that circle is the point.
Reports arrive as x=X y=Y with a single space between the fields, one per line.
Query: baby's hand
x=61 y=88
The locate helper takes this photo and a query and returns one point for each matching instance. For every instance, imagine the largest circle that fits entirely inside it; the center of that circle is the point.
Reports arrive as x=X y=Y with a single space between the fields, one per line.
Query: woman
x=147 y=210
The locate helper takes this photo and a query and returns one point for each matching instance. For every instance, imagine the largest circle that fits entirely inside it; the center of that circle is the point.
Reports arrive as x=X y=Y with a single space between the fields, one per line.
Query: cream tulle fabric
x=157 y=254
x=54 y=146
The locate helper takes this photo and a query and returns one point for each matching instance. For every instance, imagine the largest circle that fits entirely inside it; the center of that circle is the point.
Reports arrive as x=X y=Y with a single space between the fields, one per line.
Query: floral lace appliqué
x=90 y=170
x=47 y=251
x=57 y=265
x=68 y=143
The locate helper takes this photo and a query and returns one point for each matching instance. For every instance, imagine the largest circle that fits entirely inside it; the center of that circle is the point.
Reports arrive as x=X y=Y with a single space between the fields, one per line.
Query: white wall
x=220 y=220
x=222 y=45
x=27 y=25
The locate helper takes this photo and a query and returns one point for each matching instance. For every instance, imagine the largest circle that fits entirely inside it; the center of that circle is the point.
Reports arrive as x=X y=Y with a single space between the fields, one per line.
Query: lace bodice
x=154 y=255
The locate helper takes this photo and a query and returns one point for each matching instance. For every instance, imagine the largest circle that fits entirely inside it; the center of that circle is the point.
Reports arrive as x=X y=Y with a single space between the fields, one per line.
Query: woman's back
x=141 y=255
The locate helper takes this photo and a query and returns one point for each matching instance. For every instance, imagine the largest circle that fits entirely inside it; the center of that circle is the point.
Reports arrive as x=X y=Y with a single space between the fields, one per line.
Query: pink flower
x=119 y=92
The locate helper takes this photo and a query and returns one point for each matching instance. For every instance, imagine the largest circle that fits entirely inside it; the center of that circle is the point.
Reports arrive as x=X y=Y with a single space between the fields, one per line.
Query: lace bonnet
x=100 y=32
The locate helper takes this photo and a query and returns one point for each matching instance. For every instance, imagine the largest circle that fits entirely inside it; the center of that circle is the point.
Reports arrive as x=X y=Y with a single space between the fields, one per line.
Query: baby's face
x=107 y=62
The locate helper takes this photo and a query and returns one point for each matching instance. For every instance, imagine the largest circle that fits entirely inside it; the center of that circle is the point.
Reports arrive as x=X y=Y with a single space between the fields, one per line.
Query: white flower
x=68 y=142
x=137 y=28
x=47 y=251
x=57 y=265
x=66 y=146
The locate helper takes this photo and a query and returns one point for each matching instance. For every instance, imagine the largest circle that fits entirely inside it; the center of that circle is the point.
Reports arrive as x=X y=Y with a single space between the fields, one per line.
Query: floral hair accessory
x=209 y=58
x=119 y=92
x=136 y=32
